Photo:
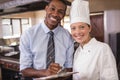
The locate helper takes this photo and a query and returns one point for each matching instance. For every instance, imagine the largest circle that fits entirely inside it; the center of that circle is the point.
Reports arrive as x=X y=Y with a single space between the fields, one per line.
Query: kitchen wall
x=35 y=17
x=40 y=15
x=102 y=5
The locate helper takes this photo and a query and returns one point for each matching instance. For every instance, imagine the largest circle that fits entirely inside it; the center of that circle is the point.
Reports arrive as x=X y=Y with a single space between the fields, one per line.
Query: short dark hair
x=63 y=1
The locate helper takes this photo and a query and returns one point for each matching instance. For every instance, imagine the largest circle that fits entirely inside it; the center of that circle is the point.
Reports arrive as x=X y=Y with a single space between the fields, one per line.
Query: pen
x=60 y=70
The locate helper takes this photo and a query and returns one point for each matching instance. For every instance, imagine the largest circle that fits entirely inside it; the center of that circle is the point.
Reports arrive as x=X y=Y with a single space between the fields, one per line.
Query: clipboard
x=64 y=74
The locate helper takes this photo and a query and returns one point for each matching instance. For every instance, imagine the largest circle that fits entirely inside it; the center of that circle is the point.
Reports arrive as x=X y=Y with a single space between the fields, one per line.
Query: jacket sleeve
x=107 y=64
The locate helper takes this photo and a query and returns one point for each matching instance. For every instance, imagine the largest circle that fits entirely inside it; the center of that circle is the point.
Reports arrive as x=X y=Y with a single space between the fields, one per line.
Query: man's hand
x=54 y=68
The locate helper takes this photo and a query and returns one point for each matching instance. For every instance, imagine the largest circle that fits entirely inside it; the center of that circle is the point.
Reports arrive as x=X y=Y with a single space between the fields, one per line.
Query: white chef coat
x=95 y=61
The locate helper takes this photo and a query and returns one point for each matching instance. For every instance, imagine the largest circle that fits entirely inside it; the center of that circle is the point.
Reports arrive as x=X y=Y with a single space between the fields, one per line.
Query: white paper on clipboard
x=56 y=76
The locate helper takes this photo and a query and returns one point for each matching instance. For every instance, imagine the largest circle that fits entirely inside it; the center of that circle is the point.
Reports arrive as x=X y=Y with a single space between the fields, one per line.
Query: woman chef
x=93 y=59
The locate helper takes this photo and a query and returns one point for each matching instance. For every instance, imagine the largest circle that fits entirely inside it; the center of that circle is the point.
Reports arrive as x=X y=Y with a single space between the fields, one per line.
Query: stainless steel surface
x=10 y=60
x=6 y=49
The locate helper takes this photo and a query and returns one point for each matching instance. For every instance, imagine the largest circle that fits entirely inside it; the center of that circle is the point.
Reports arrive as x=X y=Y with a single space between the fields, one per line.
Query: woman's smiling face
x=80 y=32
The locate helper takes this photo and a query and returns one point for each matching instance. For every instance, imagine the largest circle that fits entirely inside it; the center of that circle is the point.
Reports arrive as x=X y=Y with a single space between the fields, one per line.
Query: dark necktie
x=50 y=50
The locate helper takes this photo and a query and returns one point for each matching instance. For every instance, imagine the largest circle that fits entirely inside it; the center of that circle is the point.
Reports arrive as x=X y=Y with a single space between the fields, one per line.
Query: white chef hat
x=80 y=12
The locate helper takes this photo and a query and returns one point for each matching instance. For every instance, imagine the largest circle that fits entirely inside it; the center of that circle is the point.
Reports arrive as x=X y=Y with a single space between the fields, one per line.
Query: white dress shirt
x=33 y=47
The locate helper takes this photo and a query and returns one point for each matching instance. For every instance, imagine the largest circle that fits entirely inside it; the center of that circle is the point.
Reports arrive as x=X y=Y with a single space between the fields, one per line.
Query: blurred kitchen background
x=18 y=15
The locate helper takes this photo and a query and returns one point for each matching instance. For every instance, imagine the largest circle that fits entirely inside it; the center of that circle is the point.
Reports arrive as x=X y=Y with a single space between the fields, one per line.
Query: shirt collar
x=46 y=29
x=91 y=42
